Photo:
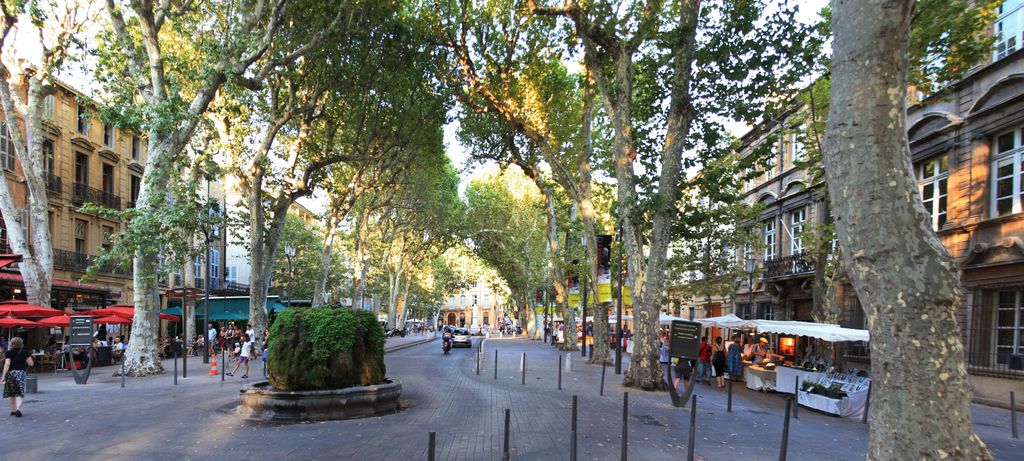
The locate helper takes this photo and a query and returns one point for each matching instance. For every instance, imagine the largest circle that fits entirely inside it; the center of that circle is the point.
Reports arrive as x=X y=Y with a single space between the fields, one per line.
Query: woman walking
x=735 y=359
x=718 y=361
x=16 y=361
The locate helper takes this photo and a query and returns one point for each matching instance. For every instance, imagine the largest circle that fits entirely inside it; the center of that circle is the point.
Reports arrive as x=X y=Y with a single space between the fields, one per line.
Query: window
x=1007 y=171
x=81 y=168
x=214 y=264
x=136 y=186
x=7 y=151
x=81 y=232
x=197 y=267
x=933 y=181
x=487 y=300
x=136 y=148
x=108 y=136
x=451 y=303
x=232 y=274
x=1008 y=28
x=769 y=239
x=765 y=311
x=796 y=227
x=107 y=234
x=48 y=156
x=1009 y=325
x=796 y=141
x=772 y=163
x=462 y=301
x=474 y=300
x=108 y=178
x=48 y=107
x=83 y=120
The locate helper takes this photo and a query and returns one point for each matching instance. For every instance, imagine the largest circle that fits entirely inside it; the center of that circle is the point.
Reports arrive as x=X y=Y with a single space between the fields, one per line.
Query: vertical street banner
x=572 y=284
x=604 y=268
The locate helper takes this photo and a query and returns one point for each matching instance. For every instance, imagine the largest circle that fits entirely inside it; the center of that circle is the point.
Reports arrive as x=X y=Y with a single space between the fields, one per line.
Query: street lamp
x=289 y=252
x=618 y=308
x=750 y=266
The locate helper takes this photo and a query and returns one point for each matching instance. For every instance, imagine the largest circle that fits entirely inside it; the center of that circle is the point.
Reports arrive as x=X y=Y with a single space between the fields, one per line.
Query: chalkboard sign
x=81 y=330
x=685 y=340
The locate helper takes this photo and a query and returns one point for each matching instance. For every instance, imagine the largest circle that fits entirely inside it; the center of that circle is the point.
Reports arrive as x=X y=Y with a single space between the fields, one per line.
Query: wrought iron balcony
x=76 y=261
x=232 y=285
x=787 y=266
x=81 y=193
x=53 y=184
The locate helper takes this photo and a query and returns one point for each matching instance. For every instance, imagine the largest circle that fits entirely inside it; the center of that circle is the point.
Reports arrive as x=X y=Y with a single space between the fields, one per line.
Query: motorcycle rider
x=446 y=338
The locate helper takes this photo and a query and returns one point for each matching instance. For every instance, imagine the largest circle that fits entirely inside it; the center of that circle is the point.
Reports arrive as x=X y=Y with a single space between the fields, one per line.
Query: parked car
x=462 y=338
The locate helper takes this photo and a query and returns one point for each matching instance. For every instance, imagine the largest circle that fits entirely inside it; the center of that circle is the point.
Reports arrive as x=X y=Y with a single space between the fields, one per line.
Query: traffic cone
x=213 y=365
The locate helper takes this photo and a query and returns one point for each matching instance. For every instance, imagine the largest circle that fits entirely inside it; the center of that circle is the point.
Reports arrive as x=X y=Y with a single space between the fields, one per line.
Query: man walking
x=704 y=362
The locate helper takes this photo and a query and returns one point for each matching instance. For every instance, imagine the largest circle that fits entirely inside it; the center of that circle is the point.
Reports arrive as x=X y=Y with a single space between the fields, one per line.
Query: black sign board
x=685 y=340
x=81 y=330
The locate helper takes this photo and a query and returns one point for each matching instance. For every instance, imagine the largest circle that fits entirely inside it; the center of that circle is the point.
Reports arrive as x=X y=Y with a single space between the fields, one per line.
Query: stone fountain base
x=261 y=402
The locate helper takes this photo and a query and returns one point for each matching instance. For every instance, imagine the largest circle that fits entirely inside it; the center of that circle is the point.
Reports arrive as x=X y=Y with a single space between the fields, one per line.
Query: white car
x=462 y=338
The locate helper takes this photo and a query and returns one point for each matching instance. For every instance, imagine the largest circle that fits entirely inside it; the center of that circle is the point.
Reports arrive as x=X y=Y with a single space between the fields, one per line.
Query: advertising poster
x=604 y=268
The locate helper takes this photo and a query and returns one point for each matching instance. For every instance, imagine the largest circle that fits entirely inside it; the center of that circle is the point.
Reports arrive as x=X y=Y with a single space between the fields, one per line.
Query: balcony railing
x=76 y=261
x=81 y=193
x=785 y=266
x=232 y=285
x=53 y=185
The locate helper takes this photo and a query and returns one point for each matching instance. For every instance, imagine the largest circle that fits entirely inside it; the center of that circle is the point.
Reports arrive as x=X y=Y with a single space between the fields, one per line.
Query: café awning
x=727 y=321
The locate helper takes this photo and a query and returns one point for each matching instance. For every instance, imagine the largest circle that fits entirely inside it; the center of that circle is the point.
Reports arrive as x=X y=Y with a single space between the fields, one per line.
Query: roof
x=57 y=284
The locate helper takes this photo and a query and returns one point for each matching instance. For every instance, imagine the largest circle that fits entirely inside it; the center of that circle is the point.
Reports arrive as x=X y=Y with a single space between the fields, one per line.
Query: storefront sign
x=685 y=340
x=81 y=330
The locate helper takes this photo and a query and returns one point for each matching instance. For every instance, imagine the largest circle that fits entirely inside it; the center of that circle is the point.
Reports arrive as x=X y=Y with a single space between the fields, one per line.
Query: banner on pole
x=604 y=268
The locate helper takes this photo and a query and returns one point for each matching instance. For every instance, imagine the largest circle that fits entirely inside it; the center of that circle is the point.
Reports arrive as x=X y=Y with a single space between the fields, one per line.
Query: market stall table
x=786 y=378
x=760 y=379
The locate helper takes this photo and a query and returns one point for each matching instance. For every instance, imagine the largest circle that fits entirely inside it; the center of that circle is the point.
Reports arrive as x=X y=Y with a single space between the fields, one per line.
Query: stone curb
x=407 y=345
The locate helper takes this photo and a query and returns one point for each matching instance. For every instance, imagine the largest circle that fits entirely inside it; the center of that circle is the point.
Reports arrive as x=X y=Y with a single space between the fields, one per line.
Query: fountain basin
x=263 y=403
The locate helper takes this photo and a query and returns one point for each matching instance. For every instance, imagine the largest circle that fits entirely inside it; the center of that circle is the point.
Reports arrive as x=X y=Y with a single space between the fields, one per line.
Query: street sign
x=685 y=339
x=81 y=330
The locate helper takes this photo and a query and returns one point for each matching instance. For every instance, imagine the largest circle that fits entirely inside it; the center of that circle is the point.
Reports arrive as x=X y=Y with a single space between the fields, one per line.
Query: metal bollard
x=568 y=363
x=603 y=367
x=175 y=368
x=478 y=362
x=559 y=372
x=867 y=406
x=729 y=405
x=184 y=365
x=796 y=396
x=506 y=455
x=223 y=363
x=785 y=432
x=572 y=448
x=431 y=444
x=495 y=364
x=625 y=424
x=523 y=368
x=1013 y=416
x=693 y=428
x=122 y=372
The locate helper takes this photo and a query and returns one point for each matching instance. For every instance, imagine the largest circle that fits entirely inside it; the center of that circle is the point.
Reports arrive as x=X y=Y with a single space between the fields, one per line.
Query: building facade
x=479 y=305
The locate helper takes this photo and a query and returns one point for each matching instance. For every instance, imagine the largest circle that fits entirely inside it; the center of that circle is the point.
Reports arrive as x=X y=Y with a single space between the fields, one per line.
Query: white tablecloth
x=850 y=407
x=759 y=379
x=785 y=380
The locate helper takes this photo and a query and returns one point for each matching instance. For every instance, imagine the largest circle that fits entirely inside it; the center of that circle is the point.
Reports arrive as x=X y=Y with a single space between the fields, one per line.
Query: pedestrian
x=735 y=360
x=244 y=351
x=683 y=369
x=17 y=359
x=718 y=361
x=704 y=362
x=663 y=356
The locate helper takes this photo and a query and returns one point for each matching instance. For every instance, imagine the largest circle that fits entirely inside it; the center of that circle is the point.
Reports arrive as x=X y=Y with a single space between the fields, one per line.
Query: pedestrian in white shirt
x=243 y=350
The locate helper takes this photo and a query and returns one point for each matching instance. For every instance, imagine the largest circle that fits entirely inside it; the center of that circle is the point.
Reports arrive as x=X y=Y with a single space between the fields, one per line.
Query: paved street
x=153 y=419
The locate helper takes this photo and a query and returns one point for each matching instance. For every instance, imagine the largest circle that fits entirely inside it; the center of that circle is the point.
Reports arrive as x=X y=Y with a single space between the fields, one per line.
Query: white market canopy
x=665 y=318
x=828 y=332
x=727 y=321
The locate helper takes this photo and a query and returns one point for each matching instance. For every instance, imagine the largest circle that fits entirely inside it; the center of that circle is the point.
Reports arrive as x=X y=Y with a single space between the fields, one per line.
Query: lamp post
x=206 y=301
x=750 y=266
x=618 y=308
x=289 y=252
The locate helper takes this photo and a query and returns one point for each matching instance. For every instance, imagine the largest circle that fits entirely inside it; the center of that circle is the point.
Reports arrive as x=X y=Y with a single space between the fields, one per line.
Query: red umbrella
x=20 y=308
x=8 y=322
x=56 y=321
x=126 y=311
x=113 y=319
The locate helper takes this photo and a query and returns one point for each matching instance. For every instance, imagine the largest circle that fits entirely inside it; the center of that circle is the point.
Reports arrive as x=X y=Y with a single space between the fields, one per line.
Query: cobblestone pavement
x=153 y=419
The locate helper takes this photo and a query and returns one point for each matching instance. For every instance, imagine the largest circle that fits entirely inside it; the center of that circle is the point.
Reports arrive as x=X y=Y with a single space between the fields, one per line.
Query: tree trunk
x=320 y=296
x=188 y=300
x=907 y=281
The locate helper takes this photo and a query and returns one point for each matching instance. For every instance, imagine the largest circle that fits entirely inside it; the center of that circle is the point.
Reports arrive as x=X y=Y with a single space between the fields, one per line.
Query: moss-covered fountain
x=323 y=364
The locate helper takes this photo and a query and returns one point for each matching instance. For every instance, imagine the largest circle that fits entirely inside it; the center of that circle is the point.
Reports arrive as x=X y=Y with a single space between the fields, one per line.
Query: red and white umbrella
x=112 y=320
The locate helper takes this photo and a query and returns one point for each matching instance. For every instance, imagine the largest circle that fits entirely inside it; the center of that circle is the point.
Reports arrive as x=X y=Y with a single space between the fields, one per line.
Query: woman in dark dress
x=16 y=361
x=718 y=361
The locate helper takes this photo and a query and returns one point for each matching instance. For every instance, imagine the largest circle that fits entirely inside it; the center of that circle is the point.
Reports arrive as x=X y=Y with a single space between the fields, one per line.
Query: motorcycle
x=446 y=344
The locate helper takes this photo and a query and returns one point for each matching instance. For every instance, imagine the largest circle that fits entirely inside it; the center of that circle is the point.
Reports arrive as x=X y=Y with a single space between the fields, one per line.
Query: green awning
x=228 y=308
